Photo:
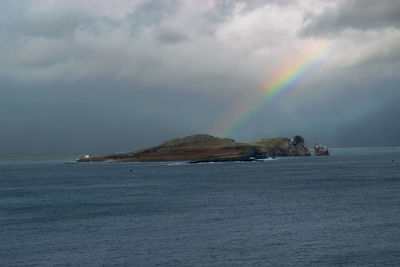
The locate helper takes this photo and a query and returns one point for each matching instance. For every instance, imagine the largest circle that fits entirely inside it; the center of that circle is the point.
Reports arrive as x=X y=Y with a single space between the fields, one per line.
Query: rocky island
x=207 y=148
x=320 y=150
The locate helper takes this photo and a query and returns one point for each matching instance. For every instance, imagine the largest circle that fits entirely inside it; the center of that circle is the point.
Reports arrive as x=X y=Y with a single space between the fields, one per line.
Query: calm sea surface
x=337 y=210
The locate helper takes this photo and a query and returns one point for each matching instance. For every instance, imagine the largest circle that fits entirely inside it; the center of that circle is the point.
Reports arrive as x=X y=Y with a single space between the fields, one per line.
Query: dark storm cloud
x=354 y=14
x=76 y=119
x=359 y=113
x=379 y=128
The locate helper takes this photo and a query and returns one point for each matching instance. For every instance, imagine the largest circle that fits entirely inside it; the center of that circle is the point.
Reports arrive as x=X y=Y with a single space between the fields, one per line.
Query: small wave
x=255 y=160
x=177 y=163
x=268 y=159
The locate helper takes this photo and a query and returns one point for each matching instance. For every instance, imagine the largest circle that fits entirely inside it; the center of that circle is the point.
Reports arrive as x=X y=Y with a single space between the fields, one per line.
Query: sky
x=99 y=76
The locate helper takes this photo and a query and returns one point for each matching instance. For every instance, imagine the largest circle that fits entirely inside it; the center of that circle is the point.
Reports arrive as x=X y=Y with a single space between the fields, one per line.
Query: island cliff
x=207 y=148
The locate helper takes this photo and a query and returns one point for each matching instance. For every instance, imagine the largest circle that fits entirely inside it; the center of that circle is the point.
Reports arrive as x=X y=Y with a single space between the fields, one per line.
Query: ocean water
x=307 y=211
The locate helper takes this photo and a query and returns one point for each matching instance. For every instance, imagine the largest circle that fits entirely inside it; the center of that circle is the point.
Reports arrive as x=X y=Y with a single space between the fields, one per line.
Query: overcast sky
x=95 y=76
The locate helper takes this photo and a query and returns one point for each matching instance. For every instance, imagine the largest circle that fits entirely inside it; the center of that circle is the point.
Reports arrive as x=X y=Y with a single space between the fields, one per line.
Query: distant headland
x=207 y=148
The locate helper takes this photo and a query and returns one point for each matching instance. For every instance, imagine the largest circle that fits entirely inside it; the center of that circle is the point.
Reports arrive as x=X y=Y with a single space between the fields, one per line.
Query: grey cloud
x=227 y=5
x=170 y=36
x=20 y=21
x=354 y=14
x=223 y=9
x=75 y=44
x=52 y=25
x=151 y=13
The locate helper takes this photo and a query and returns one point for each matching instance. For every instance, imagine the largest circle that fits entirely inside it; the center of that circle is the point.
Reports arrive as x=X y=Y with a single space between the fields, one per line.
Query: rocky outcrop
x=207 y=148
x=320 y=150
x=298 y=147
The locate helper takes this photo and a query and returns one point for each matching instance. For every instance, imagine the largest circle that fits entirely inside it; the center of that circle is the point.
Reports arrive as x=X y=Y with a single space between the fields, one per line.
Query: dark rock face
x=297 y=146
x=298 y=140
x=320 y=150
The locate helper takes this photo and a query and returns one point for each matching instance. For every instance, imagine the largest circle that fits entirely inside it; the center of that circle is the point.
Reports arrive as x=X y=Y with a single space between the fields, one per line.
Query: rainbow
x=283 y=82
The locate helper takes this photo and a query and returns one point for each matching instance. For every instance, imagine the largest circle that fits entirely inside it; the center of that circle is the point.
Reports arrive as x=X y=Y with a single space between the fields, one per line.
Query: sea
x=340 y=210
